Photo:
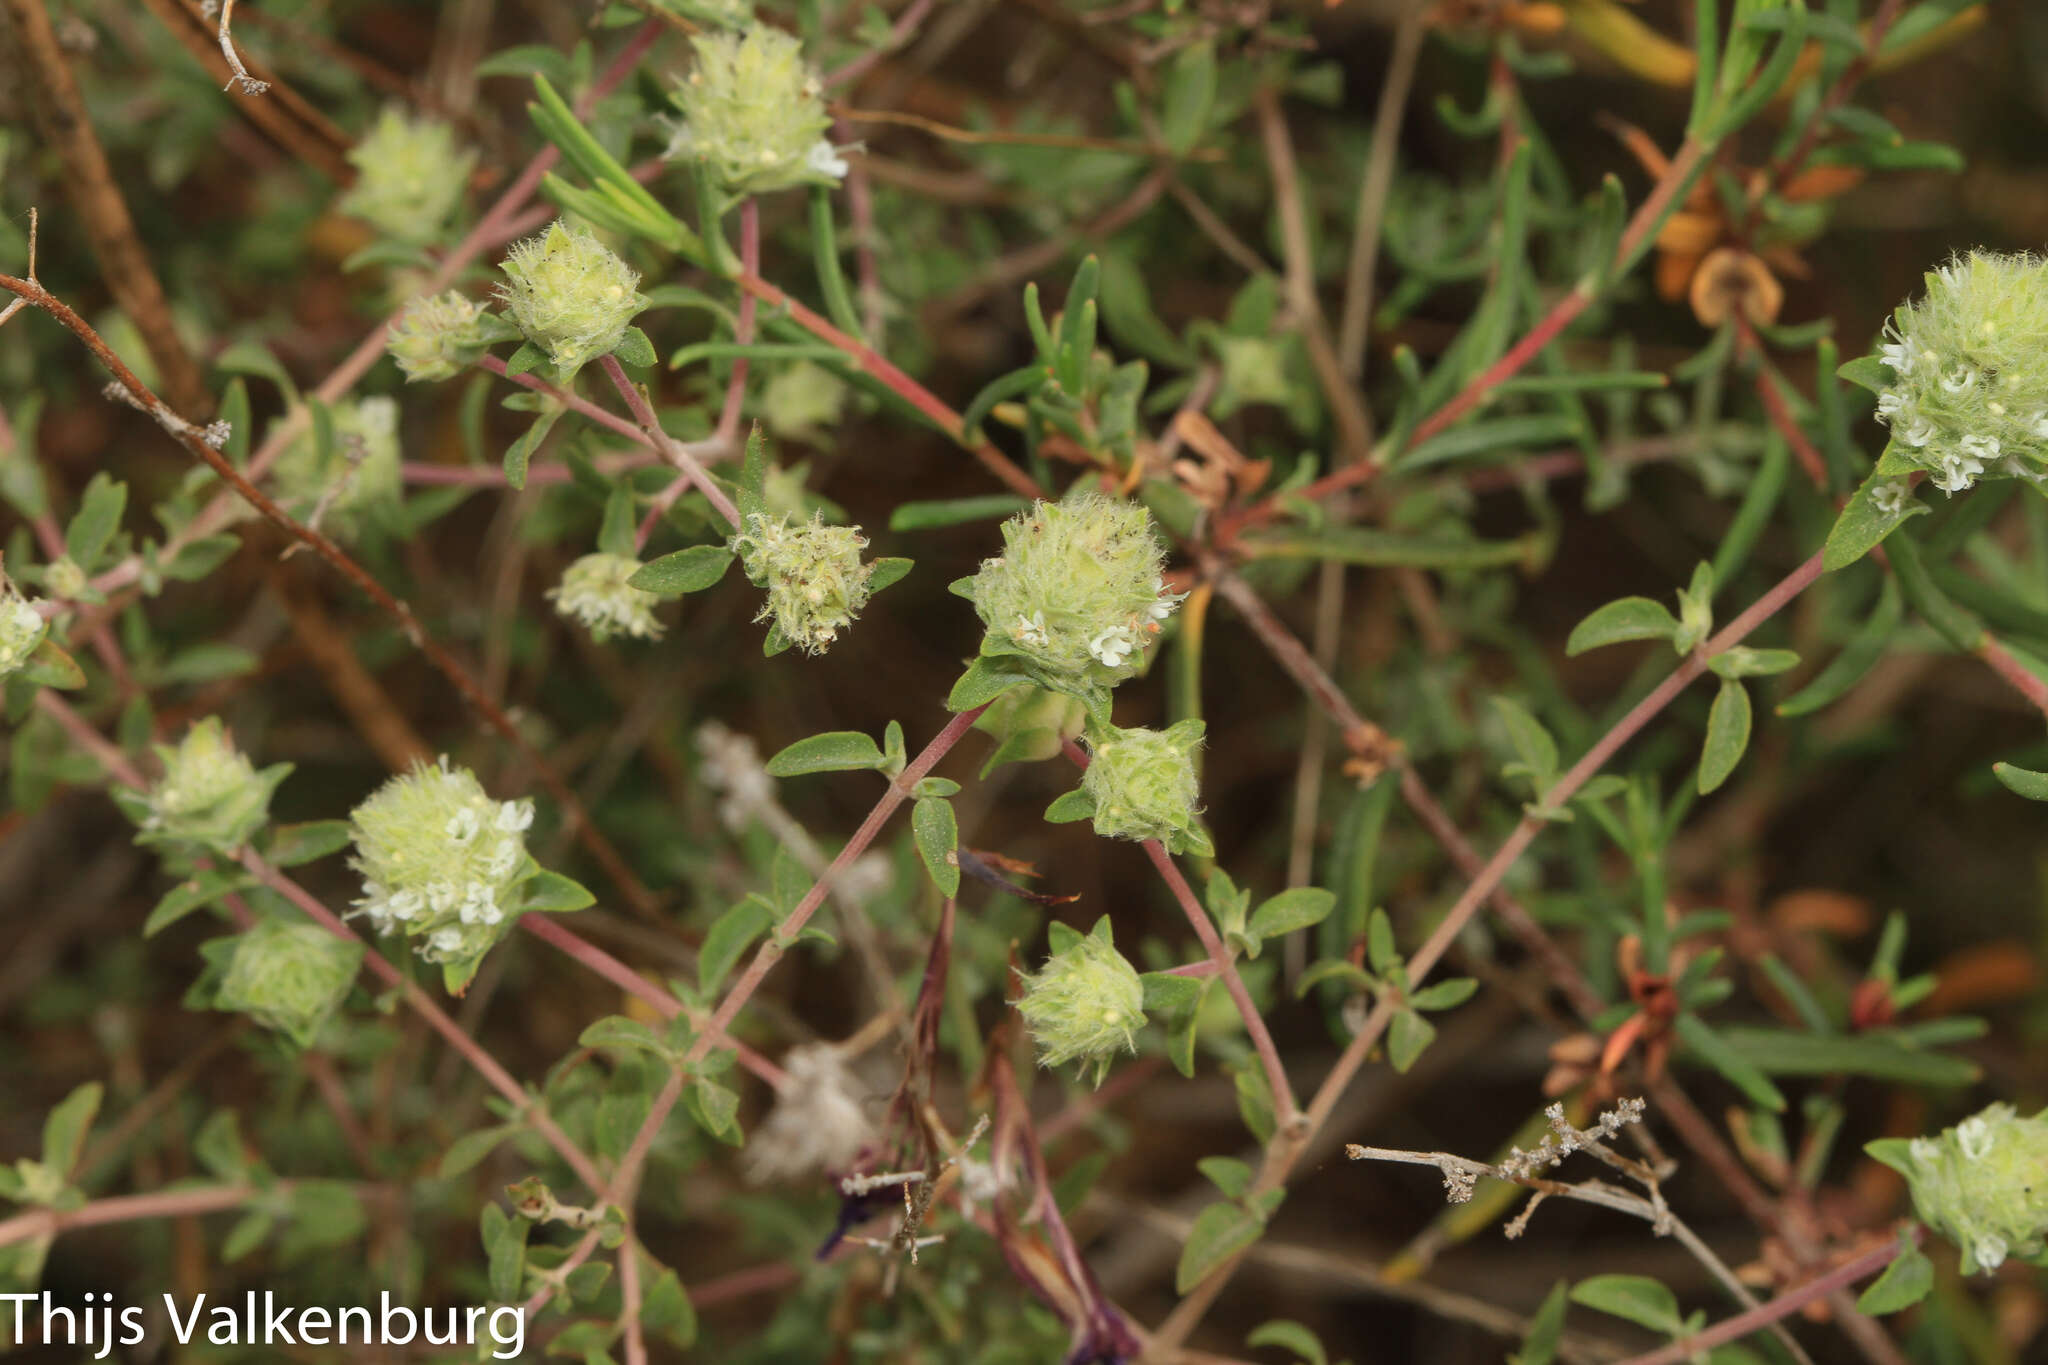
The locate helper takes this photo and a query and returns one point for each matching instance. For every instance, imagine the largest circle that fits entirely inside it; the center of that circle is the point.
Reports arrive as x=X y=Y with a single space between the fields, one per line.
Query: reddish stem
x=743 y=327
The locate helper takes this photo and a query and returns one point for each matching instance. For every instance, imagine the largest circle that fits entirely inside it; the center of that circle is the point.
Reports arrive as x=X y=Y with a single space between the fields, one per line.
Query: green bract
x=1031 y=722
x=1086 y=1004
x=409 y=177
x=594 y=591
x=1076 y=595
x=1969 y=360
x=441 y=861
x=752 y=116
x=210 y=798
x=570 y=295
x=440 y=334
x=815 y=579
x=356 y=481
x=1142 y=785
x=289 y=977
x=1982 y=1184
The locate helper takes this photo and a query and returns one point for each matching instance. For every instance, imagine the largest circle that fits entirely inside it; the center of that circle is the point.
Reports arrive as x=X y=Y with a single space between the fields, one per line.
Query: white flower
x=406 y=904
x=824 y=158
x=1889 y=498
x=1980 y=447
x=1896 y=354
x=1990 y=1251
x=595 y=592
x=1031 y=629
x=1959 y=380
x=2039 y=423
x=515 y=817
x=21 y=630
x=2014 y=467
x=445 y=940
x=1163 y=608
x=1974 y=1136
x=1958 y=471
x=464 y=825
x=1890 y=404
x=1113 y=646
x=1918 y=434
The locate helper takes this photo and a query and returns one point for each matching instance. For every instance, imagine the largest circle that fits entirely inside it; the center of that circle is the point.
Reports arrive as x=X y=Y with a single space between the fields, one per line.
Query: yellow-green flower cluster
x=1143 y=785
x=441 y=861
x=357 y=481
x=1076 y=596
x=210 y=796
x=813 y=573
x=439 y=335
x=290 y=977
x=1086 y=1004
x=751 y=113
x=22 y=628
x=1982 y=1184
x=1969 y=360
x=570 y=295
x=594 y=591
x=410 y=177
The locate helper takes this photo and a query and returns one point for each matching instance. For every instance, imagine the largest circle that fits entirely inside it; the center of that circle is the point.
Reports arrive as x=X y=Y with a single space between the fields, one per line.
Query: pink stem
x=129 y=1208
x=786 y=932
x=672 y=450
x=743 y=328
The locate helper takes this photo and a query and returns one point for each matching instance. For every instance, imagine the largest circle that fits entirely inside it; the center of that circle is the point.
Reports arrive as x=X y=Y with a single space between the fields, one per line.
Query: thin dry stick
x=242 y=80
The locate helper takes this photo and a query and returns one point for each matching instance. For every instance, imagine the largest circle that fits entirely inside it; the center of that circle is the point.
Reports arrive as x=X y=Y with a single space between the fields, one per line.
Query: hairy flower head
x=570 y=295
x=357 y=480
x=751 y=113
x=594 y=591
x=813 y=572
x=210 y=797
x=1982 y=1184
x=1141 y=784
x=290 y=977
x=1968 y=398
x=819 y=1122
x=438 y=335
x=441 y=861
x=1087 y=1002
x=22 y=628
x=409 y=176
x=1076 y=595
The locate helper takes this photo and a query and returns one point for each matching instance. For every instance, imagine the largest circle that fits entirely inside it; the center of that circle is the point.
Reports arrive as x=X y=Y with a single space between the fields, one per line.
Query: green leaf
x=1074 y=805
x=617 y=1033
x=1744 y=662
x=1533 y=744
x=937 y=836
x=2022 y=781
x=248 y=1233
x=1638 y=1298
x=296 y=845
x=1709 y=1047
x=1630 y=618
x=65 y=1129
x=554 y=893
x=1190 y=93
x=1880 y=1054
x=1539 y=1347
x=1443 y=995
x=982 y=683
x=929 y=516
x=728 y=938
x=1867 y=372
x=715 y=1108
x=1219 y=1233
x=1727 y=735
x=526 y=359
x=99 y=516
x=1127 y=312
x=1376 y=549
x=1288 y=1335
x=1407 y=1036
x=685 y=571
x=204 y=663
x=886 y=571
x=1379 y=942
x=466 y=1152
x=635 y=349
x=504 y=1239
x=1864 y=522
x=1301 y=907
x=1905 y=1282
x=520 y=452
x=201 y=889
x=1227 y=1174
x=51 y=666
x=199 y=558
x=667 y=1311
x=1857 y=658
x=834 y=751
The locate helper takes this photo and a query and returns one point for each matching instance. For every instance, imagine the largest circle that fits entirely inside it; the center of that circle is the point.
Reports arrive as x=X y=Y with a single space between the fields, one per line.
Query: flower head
x=594 y=591
x=22 y=628
x=438 y=335
x=751 y=113
x=409 y=177
x=1142 y=784
x=813 y=572
x=1087 y=1002
x=1076 y=595
x=570 y=295
x=1969 y=367
x=441 y=861
x=210 y=798
x=290 y=977
x=1983 y=1184
x=351 y=481
x=818 y=1123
